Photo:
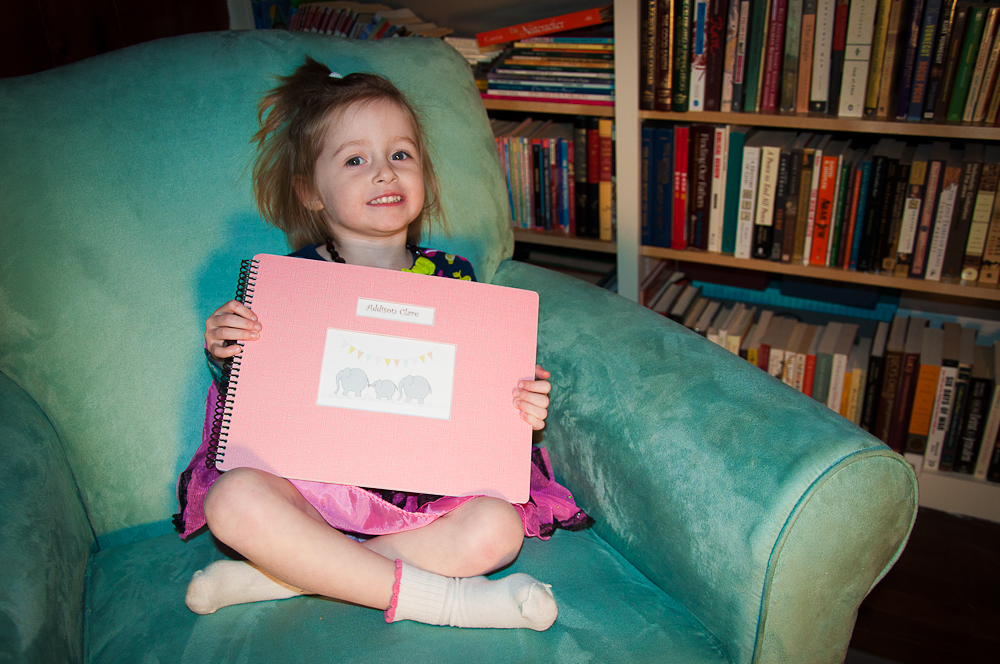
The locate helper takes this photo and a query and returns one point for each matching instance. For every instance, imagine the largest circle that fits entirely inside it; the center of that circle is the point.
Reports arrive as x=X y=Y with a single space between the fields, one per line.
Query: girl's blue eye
x=354 y=161
x=401 y=155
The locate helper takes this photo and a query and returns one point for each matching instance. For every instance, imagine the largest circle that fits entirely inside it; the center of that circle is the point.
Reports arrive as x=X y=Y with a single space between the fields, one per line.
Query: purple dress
x=373 y=512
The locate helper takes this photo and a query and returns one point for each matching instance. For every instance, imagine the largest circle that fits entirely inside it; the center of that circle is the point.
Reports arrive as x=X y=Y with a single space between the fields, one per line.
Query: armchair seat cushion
x=608 y=612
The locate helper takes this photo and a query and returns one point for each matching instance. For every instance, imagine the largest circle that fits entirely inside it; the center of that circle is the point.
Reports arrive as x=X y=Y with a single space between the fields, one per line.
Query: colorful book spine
x=822 y=52
x=683 y=11
x=664 y=55
x=879 y=34
x=715 y=44
x=740 y=58
x=775 y=56
x=546 y=26
x=806 y=48
x=909 y=62
x=939 y=64
x=605 y=175
x=734 y=175
x=748 y=201
x=857 y=56
x=790 y=67
x=982 y=59
x=840 y=17
x=985 y=211
x=967 y=63
x=698 y=66
x=681 y=163
x=732 y=28
x=922 y=66
x=824 y=210
x=700 y=187
x=720 y=155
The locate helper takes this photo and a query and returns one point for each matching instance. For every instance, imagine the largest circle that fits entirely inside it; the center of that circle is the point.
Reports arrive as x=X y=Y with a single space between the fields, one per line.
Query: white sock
x=228 y=582
x=515 y=601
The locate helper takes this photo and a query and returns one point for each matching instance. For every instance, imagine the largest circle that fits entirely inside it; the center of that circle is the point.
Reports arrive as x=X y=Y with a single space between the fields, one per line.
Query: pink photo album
x=382 y=379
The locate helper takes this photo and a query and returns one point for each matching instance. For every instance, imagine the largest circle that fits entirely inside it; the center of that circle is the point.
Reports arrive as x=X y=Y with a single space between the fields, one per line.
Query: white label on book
x=386 y=374
x=401 y=313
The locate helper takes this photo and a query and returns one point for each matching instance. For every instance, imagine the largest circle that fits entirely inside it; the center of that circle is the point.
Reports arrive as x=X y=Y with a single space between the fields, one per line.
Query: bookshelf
x=945 y=491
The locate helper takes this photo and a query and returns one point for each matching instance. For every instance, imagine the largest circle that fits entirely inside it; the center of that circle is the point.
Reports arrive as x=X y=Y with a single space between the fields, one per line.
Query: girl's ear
x=307 y=195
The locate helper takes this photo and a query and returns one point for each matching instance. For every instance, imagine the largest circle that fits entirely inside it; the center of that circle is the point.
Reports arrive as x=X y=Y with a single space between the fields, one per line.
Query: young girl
x=342 y=169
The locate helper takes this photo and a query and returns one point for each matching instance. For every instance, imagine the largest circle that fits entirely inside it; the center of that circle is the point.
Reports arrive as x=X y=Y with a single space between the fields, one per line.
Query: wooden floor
x=941 y=601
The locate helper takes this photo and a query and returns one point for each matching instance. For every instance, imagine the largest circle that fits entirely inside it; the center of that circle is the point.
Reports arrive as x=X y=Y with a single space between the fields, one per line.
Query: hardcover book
x=380 y=378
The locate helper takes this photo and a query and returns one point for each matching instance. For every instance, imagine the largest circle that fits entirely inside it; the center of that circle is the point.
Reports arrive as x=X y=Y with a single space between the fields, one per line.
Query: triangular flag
x=430 y=356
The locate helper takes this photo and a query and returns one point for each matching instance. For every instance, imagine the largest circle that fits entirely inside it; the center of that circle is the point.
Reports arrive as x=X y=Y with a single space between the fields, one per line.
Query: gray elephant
x=384 y=389
x=351 y=380
x=414 y=387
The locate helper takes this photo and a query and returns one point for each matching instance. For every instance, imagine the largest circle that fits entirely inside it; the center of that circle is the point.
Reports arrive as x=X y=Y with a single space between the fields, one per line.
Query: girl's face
x=369 y=179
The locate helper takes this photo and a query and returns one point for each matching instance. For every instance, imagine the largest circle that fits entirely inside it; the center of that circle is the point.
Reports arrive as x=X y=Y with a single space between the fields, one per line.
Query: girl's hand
x=230 y=322
x=532 y=400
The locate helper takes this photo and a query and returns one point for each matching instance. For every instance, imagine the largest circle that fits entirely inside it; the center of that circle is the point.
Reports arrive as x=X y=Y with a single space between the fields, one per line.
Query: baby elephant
x=414 y=387
x=384 y=389
x=351 y=380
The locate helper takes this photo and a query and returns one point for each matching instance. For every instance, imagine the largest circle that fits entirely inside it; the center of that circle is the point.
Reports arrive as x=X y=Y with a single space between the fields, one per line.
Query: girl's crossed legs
x=294 y=551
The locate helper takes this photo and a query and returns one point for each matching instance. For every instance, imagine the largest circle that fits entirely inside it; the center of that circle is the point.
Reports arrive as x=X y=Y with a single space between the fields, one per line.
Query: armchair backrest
x=125 y=208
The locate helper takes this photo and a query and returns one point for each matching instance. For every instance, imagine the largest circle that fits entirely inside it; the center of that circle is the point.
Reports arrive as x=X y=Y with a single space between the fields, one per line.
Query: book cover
x=967 y=62
x=965 y=211
x=547 y=26
x=890 y=383
x=873 y=377
x=857 y=55
x=947 y=201
x=807 y=39
x=700 y=189
x=681 y=167
x=825 y=202
x=748 y=194
x=683 y=24
x=720 y=156
x=822 y=55
x=790 y=62
x=698 y=65
x=981 y=382
x=966 y=357
x=992 y=426
x=376 y=353
x=879 y=34
x=818 y=151
x=911 y=210
x=935 y=171
x=924 y=53
x=944 y=396
x=925 y=390
x=774 y=55
x=939 y=62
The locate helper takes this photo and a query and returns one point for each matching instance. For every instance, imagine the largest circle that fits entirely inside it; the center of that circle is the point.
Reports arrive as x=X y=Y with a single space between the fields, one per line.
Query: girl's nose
x=384 y=173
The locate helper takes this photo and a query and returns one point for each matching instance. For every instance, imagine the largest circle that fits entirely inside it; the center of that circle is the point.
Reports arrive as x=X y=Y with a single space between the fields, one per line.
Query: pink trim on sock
x=390 y=613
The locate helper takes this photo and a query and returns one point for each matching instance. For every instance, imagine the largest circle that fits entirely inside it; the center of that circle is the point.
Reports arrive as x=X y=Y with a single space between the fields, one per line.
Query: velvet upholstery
x=737 y=521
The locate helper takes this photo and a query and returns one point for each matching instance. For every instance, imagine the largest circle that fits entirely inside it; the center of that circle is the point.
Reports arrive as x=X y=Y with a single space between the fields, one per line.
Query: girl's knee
x=230 y=497
x=497 y=532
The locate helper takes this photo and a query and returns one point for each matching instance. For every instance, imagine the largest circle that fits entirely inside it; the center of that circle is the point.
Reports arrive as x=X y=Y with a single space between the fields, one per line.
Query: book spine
x=840 y=16
x=683 y=10
x=756 y=48
x=873 y=387
x=580 y=170
x=984 y=49
x=864 y=189
x=822 y=53
x=887 y=398
x=943 y=403
x=837 y=235
x=942 y=223
x=971 y=436
x=903 y=404
x=921 y=244
x=989 y=269
x=909 y=59
x=813 y=206
x=593 y=178
x=605 y=177
x=764 y=218
x=665 y=56
x=923 y=408
x=890 y=242
x=879 y=34
x=720 y=154
x=850 y=221
x=938 y=64
x=911 y=219
x=792 y=196
x=734 y=175
x=824 y=211
x=949 y=448
x=952 y=56
x=895 y=42
x=664 y=183
x=729 y=55
x=542 y=27
x=748 y=202
x=922 y=66
x=965 y=211
x=715 y=42
x=990 y=430
x=806 y=48
x=698 y=54
x=790 y=62
x=680 y=213
x=648 y=50
x=966 y=63
x=857 y=55
x=802 y=208
x=775 y=54
x=700 y=161
x=987 y=93
x=780 y=199
x=986 y=209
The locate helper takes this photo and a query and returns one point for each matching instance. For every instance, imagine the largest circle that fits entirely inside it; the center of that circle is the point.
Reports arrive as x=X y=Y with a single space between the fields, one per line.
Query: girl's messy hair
x=293 y=118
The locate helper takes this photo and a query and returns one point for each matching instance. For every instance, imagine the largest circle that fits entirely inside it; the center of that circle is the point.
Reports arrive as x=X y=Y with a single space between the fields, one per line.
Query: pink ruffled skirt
x=370 y=512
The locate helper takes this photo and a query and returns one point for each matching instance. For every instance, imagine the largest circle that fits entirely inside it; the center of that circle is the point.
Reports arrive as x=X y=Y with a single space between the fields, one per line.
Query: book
x=981 y=382
x=717 y=207
x=864 y=187
x=748 y=193
x=581 y=159
x=857 y=55
x=923 y=56
x=776 y=341
x=982 y=214
x=921 y=244
x=732 y=27
x=895 y=43
x=700 y=184
x=663 y=183
x=911 y=211
x=951 y=57
x=838 y=366
x=925 y=390
x=698 y=64
x=756 y=50
x=908 y=372
x=738 y=330
x=824 y=362
x=822 y=54
x=707 y=316
x=809 y=366
x=715 y=45
x=664 y=55
x=965 y=210
x=947 y=199
x=873 y=378
x=877 y=56
x=755 y=337
x=648 y=50
x=888 y=240
x=682 y=26
x=840 y=18
x=992 y=426
x=605 y=171
x=867 y=239
x=857 y=368
x=967 y=62
x=890 y=382
x=764 y=217
x=695 y=311
x=966 y=357
x=809 y=340
x=793 y=195
x=909 y=59
x=681 y=186
x=546 y=26
x=987 y=88
x=818 y=149
x=774 y=57
x=976 y=82
x=647 y=203
x=721 y=318
x=945 y=395
x=684 y=302
x=791 y=353
x=378 y=333
x=939 y=62
x=734 y=180
x=790 y=61
x=989 y=270
x=807 y=39
x=825 y=202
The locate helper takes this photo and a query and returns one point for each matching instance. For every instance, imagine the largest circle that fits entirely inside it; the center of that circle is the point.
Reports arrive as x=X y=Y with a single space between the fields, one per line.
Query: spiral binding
x=231 y=373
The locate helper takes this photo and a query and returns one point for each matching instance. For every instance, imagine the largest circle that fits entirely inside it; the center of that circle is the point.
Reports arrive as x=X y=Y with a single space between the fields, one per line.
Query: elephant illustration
x=351 y=380
x=414 y=387
x=384 y=389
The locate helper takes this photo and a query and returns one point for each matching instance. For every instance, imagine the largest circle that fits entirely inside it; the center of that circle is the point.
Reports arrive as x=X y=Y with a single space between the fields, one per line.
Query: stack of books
x=924 y=210
x=559 y=175
x=480 y=58
x=569 y=64
x=933 y=60
x=355 y=20
x=923 y=390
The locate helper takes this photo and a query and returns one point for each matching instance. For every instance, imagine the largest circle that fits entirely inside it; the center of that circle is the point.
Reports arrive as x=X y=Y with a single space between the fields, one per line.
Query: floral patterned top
x=425 y=261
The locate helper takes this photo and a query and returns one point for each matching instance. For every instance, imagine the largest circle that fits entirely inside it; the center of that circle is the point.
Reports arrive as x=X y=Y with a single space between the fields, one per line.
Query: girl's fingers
x=536 y=386
x=541 y=374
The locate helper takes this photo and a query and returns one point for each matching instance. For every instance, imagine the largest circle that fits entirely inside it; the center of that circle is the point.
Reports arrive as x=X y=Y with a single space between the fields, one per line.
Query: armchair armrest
x=763 y=512
x=47 y=539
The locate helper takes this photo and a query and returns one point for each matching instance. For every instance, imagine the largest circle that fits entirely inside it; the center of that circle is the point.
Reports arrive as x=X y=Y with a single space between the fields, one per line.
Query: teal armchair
x=736 y=520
